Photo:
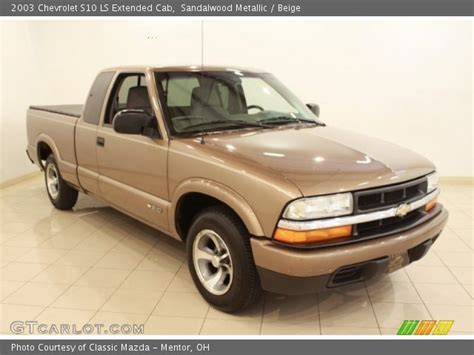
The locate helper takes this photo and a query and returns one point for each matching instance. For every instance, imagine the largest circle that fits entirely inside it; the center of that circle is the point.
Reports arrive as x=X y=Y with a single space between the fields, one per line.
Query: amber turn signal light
x=312 y=236
x=431 y=204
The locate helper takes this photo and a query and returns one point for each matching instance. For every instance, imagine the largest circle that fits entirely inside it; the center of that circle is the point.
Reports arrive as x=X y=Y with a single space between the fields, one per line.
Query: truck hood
x=320 y=160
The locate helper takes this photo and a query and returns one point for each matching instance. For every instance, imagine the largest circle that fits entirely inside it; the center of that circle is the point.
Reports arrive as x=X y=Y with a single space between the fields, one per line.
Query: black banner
x=236 y=8
x=403 y=346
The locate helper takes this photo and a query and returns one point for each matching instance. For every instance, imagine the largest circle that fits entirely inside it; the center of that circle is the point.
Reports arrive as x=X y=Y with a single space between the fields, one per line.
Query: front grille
x=379 y=199
x=389 y=196
x=387 y=225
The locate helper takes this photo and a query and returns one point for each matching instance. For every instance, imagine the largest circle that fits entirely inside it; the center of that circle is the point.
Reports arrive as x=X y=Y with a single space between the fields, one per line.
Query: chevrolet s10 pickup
x=229 y=161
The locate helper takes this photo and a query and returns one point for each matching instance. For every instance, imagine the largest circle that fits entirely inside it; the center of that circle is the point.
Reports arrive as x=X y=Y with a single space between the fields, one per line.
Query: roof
x=186 y=68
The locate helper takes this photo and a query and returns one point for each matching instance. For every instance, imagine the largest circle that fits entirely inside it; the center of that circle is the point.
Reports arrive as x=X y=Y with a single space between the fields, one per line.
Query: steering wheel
x=255 y=106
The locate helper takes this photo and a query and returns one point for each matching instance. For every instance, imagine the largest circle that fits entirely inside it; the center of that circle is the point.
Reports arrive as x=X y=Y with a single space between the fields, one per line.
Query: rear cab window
x=95 y=100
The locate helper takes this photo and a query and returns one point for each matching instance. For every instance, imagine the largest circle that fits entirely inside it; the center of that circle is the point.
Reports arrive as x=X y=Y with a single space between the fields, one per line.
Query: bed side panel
x=57 y=131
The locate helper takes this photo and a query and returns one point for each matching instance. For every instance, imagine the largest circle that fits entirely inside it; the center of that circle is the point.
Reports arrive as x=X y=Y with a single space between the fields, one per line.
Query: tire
x=239 y=285
x=61 y=195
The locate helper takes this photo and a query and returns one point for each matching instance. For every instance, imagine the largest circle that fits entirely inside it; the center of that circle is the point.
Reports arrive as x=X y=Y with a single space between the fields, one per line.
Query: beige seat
x=205 y=103
x=138 y=99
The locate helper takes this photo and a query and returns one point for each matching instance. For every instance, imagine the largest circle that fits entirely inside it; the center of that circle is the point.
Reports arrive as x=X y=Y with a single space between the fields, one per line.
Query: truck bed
x=54 y=125
x=68 y=110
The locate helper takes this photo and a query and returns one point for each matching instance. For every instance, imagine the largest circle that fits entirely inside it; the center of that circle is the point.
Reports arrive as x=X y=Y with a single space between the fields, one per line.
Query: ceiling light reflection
x=366 y=160
x=276 y=155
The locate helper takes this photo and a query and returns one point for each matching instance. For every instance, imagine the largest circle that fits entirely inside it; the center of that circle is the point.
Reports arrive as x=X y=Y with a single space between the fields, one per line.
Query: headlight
x=319 y=207
x=433 y=181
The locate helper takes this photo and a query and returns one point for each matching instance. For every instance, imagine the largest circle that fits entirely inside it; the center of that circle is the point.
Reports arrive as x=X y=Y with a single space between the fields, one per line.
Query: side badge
x=154 y=208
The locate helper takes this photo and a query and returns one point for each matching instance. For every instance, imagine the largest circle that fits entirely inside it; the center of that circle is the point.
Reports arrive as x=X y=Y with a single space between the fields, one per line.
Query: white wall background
x=408 y=81
x=55 y=62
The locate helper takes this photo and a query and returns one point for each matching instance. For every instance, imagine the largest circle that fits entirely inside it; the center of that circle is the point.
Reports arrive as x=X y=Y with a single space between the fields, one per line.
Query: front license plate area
x=397 y=261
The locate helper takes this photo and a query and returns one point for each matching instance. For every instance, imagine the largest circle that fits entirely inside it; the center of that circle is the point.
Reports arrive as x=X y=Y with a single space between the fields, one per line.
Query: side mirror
x=132 y=121
x=314 y=108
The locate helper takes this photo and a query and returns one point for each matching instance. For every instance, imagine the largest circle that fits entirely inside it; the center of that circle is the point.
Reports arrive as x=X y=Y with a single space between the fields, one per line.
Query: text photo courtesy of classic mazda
x=263 y=193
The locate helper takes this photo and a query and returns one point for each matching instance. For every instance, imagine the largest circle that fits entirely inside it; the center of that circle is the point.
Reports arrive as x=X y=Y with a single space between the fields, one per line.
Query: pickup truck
x=229 y=161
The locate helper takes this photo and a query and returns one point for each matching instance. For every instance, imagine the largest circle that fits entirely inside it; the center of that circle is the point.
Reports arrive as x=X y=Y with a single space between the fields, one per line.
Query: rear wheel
x=61 y=195
x=221 y=262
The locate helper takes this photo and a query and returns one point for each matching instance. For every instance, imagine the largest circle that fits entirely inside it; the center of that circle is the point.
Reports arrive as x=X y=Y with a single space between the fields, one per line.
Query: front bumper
x=294 y=271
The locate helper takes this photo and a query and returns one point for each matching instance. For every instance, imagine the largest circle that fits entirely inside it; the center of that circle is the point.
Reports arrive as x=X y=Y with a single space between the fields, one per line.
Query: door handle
x=100 y=141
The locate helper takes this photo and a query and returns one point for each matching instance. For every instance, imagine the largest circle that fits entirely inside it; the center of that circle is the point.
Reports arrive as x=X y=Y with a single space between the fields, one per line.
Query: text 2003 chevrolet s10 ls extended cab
x=229 y=161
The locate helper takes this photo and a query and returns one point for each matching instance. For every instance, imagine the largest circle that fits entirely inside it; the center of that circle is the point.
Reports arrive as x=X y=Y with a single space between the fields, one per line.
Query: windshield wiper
x=238 y=123
x=289 y=119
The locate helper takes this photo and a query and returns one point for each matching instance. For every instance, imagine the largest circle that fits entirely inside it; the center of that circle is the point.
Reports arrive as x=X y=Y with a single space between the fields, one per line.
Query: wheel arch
x=193 y=195
x=44 y=147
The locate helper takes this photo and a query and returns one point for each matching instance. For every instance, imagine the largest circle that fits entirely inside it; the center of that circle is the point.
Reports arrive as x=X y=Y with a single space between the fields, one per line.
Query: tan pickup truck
x=229 y=161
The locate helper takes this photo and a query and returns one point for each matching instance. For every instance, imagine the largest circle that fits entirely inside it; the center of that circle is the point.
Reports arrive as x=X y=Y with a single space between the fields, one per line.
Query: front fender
x=221 y=193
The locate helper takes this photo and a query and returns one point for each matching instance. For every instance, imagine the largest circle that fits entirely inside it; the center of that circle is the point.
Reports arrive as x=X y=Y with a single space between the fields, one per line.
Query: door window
x=130 y=92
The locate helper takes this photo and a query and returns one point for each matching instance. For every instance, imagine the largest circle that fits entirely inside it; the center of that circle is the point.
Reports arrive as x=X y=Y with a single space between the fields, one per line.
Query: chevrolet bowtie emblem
x=402 y=210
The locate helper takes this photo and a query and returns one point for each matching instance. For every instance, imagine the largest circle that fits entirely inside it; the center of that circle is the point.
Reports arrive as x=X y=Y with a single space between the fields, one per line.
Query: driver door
x=133 y=168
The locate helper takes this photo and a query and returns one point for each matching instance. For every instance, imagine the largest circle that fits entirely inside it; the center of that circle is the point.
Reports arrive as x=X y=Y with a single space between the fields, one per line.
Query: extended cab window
x=130 y=92
x=95 y=100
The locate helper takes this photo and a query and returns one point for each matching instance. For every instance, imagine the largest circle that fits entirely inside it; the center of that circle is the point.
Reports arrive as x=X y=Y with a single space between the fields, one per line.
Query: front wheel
x=61 y=195
x=221 y=262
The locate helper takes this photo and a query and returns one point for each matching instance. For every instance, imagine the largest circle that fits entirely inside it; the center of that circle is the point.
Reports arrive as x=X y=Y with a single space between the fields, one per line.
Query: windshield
x=197 y=102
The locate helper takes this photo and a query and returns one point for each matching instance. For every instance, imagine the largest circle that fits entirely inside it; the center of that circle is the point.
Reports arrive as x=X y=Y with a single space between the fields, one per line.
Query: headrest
x=199 y=96
x=138 y=98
